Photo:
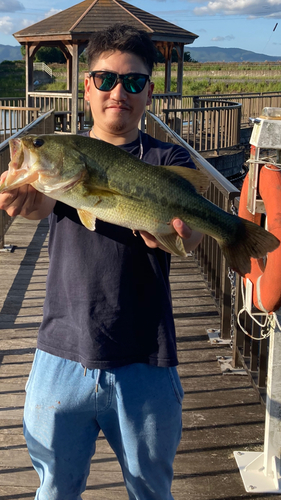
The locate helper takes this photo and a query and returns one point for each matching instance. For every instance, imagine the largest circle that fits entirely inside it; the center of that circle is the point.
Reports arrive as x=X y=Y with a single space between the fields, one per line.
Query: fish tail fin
x=253 y=241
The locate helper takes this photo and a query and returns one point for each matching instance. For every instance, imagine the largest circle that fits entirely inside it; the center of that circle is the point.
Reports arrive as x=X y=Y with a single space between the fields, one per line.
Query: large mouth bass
x=102 y=181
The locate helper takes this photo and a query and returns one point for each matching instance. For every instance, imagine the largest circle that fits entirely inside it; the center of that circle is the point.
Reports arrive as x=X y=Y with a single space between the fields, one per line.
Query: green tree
x=188 y=58
x=50 y=55
x=47 y=55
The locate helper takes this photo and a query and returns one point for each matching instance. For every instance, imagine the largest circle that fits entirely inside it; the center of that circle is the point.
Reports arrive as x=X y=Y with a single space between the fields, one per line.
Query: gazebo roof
x=77 y=22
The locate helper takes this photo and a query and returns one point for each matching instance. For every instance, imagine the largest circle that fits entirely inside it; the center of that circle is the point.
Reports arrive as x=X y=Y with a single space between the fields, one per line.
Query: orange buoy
x=266 y=278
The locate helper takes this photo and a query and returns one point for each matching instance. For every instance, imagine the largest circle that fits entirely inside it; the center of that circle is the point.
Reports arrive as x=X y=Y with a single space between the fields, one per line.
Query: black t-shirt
x=108 y=300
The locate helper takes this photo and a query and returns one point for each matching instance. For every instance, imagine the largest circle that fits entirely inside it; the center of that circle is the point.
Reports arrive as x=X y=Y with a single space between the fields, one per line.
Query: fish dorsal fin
x=88 y=219
x=197 y=178
x=173 y=242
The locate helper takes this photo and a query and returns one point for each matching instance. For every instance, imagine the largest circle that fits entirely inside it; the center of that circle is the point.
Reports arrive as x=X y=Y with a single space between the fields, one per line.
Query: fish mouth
x=21 y=167
x=16 y=153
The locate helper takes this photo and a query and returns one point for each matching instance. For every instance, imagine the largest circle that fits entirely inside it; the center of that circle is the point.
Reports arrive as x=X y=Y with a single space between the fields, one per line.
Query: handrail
x=208 y=255
x=61 y=102
x=41 y=66
x=252 y=103
x=209 y=128
x=226 y=186
x=42 y=125
x=14 y=118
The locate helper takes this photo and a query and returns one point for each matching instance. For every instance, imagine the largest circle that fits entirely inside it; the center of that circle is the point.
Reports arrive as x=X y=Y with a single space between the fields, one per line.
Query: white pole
x=261 y=471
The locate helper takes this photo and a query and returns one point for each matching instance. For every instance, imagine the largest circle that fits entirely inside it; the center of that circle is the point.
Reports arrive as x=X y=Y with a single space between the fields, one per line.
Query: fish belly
x=121 y=210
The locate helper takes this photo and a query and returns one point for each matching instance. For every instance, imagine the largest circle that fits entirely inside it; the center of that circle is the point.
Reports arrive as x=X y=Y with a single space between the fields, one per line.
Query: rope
x=270 y=322
x=266 y=161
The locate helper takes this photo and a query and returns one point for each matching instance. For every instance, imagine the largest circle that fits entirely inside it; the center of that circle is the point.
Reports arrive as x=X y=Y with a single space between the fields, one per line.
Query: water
x=14 y=116
x=11 y=118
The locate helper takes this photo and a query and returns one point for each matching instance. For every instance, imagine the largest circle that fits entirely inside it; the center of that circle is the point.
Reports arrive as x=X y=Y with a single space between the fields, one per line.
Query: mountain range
x=10 y=53
x=200 y=54
x=219 y=54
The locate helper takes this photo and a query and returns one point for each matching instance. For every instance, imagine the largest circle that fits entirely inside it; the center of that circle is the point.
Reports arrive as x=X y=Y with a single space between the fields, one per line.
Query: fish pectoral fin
x=173 y=243
x=87 y=219
x=197 y=178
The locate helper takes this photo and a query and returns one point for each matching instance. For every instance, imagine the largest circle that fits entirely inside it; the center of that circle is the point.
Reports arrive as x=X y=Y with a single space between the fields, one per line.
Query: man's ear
x=150 y=92
x=87 y=87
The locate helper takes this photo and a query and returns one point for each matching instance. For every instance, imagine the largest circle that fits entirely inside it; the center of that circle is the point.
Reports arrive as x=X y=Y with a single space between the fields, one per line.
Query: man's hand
x=191 y=238
x=25 y=201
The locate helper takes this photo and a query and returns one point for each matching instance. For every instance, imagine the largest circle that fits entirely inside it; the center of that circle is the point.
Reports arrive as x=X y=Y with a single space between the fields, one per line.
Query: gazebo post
x=74 y=89
x=30 y=49
x=180 y=51
x=29 y=86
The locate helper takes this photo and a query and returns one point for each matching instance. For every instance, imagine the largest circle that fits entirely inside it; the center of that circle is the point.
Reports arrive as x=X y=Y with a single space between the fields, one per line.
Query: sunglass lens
x=105 y=81
x=134 y=83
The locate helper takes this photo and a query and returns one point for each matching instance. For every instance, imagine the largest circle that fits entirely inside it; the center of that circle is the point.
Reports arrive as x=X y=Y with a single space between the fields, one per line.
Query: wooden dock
x=221 y=413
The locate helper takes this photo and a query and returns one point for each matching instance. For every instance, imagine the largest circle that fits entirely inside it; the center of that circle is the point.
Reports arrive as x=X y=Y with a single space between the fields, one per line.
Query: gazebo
x=71 y=29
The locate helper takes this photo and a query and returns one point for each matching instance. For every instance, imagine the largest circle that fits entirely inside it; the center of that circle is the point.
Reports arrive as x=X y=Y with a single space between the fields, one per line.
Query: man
x=106 y=357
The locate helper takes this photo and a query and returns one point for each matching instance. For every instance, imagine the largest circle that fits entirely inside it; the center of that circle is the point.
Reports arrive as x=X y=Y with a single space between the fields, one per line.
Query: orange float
x=266 y=278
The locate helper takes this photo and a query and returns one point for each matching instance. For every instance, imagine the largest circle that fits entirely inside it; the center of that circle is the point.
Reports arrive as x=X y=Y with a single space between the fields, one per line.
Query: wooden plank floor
x=221 y=413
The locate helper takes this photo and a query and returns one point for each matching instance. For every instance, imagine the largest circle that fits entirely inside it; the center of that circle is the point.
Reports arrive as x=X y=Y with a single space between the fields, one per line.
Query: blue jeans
x=138 y=408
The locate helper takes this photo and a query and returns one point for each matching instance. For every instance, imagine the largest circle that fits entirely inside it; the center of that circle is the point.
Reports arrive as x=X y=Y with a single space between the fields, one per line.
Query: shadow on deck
x=221 y=413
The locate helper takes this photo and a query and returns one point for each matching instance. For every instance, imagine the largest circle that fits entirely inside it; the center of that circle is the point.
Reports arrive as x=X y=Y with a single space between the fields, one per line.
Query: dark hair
x=125 y=38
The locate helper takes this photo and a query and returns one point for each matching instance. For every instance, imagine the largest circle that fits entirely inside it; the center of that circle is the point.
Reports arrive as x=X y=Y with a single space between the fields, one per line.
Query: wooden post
x=29 y=54
x=75 y=82
x=180 y=51
x=168 y=66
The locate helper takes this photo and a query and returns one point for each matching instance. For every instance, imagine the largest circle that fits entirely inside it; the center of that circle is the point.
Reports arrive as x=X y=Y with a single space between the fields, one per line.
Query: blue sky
x=246 y=24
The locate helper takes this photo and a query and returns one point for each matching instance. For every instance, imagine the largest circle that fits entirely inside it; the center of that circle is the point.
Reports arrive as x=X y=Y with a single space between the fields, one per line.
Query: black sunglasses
x=105 y=81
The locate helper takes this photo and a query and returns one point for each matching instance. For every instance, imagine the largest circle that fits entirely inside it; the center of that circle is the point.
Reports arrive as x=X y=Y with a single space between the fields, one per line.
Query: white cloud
x=10 y=5
x=24 y=23
x=222 y=38
x=9 y=25
x=6 y=25
x=250 y=8
x=52 y=12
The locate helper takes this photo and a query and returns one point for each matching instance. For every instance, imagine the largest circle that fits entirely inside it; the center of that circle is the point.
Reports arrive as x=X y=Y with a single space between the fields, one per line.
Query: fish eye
x=38 y=143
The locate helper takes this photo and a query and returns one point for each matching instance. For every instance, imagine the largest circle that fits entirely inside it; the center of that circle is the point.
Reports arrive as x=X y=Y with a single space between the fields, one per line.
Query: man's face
x=117 y=111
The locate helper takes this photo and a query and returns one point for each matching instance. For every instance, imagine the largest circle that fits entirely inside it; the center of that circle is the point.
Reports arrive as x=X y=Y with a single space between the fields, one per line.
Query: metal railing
x=211 y=125
x=42 y=125
x=252 y=104
x=13 y=118
x=208 y=255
